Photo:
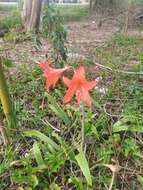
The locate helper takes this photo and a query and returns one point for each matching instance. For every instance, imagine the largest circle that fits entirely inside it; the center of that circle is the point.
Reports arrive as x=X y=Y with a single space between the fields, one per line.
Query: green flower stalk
x=83 y=141
x=5 y=99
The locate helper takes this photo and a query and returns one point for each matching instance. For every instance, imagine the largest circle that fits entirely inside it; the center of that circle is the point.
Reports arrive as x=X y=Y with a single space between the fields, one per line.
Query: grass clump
x=4 y=8
x=122 y=52
x=10 y=21
x=72 y=12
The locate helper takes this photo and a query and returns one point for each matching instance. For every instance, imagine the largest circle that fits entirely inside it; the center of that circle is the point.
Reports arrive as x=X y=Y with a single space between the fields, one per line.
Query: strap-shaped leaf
x=58 y=110
x=83 y=164
x=42 y=137
x=38 y=155
x=140 y=179
x=126 y=124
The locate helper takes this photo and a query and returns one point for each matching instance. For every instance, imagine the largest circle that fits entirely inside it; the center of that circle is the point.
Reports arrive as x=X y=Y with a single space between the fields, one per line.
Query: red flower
x=45 y=65
x=79 y=86
x=52 y=75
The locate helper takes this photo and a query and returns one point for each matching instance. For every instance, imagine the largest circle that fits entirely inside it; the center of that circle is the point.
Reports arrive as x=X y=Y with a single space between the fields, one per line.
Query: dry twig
x=116 y=70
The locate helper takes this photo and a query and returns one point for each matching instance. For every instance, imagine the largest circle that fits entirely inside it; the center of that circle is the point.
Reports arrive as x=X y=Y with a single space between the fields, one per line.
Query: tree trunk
x=31 y=14
x=92 y=5
x=27 y=7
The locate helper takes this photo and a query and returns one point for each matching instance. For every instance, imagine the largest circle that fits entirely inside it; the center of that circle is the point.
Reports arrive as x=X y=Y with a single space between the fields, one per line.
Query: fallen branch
x=118 y=71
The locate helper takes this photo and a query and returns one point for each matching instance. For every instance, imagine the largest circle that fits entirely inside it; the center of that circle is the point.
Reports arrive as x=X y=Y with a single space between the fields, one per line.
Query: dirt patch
x=83 y=38
x=86 y=36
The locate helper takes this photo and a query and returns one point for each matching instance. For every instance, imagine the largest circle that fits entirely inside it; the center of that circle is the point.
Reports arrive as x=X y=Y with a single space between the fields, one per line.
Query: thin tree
x=31 y=14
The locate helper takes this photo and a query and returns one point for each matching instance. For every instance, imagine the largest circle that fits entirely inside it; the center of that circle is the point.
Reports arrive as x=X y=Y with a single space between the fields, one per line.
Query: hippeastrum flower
x=45 y=65
x=52 y=75
x=79 y=86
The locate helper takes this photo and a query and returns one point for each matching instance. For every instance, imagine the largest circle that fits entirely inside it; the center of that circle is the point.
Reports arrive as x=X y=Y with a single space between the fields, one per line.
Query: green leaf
x=29 y=180
x=83 y=164
x=125 y=124
x=42 y=137
x=58 y=110
x=64 y=147
x=7 y=62
x=34 y=180
x=95 y=103
x=54 y=186
x=37 y=155
x=140 y=179
x=77 y=182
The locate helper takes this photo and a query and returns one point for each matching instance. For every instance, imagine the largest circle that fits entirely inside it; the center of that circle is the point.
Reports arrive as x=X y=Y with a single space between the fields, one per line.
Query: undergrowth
x=5 y=8
x=10 y=16
x=113 y=127
x=12 y=20
x=73 y=12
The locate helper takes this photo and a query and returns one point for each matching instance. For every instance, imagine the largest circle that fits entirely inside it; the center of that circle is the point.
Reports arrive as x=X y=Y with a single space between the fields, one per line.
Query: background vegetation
x=44 y=153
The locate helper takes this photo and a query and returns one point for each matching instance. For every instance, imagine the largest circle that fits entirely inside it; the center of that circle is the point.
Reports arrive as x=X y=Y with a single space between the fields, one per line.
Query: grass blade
x=42 y=137
x=83 y=164
x=38 y=155
x=58 y=110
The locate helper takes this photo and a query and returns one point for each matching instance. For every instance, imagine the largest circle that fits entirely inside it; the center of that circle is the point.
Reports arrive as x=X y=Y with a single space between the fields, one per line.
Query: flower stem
x=83 y=141
x=5 y=99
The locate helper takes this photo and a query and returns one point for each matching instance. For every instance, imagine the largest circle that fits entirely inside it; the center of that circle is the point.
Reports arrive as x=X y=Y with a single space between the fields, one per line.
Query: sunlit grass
x=73 y=12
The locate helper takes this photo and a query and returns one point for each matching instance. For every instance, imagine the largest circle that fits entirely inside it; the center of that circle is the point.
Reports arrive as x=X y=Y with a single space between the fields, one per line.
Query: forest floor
x=83 y=37
x=113 y=125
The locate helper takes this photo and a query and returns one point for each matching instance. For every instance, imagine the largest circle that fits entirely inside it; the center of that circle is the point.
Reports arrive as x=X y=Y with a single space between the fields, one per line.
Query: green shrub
x=10 y=21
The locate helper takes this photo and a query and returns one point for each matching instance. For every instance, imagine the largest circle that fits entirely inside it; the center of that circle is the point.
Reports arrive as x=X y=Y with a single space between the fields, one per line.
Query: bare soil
x=86 y=36
x=83 y=38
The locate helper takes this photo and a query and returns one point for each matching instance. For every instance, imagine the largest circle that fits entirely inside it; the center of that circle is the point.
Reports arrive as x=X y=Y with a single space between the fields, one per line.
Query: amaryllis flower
x=51 y=74
x=79 y=86
x=44 y=66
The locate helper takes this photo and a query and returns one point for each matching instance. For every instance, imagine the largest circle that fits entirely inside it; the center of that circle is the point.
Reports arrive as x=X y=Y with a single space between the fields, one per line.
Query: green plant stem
x=5 y=99
x=112 y=181
x=83 y=141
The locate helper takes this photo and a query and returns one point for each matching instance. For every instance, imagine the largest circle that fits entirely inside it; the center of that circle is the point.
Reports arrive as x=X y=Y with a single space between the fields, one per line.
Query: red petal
x=90 y=85
x=79 y=74
x=53 y=75
x=69 y=94
x=67 y=81
x=51 y=81
x=44 y=66
x=86 y=97
x=78 y=97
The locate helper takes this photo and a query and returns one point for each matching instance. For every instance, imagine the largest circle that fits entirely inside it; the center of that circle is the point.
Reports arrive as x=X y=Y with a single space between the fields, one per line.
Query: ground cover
x=113 y=124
